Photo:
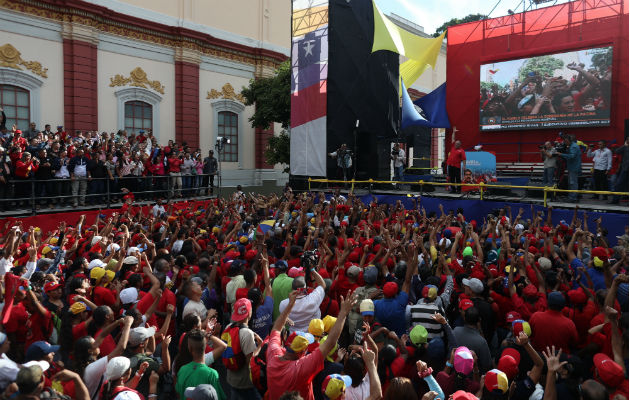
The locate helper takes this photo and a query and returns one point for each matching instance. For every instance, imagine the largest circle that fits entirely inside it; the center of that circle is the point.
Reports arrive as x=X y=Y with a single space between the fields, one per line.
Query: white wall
x=110 y=64
x=50 y=54
x=209 y=80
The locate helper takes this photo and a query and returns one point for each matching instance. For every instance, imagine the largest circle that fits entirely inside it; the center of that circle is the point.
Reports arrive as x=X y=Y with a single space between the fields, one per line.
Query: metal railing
x=480 y=186
x=33 y=193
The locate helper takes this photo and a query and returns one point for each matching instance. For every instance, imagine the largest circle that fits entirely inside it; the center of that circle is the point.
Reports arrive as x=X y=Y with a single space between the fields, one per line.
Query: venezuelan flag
x=265 y=226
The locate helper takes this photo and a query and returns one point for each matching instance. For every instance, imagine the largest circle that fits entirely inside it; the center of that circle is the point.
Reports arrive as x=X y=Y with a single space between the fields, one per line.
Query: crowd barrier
x=50 y=222
x=33 y=193
x=480 y=186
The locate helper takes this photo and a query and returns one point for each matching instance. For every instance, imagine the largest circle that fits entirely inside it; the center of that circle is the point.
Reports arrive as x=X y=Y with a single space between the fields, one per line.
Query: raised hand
x=553 y=359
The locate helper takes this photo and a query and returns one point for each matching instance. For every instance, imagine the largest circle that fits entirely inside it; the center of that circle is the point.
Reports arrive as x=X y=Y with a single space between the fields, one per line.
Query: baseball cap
x=390 y=289
x=509 y=365
x=467 y=251
x=610 y=372
x=294 y=272
x=474 y=284
x=129 y=295
x=370 y=275
x=353 y=271
x=96 y=263
x=334 y=385
x=512 y=316
x=461 y=395
x=577 y=296
x=130 y=260
x=116 y=368
x=328 y=321
x=544 y=263
x=50 y=286
x=530 y=291
x=418 y=335
x=366 y=307
x=78 y=307
x=97 y=273
x=201 y=392
x=519 y=326
x=39 y=350
x=299 y=341
x=140 y=334
x=555 y=300
x=429 y=292
x=242 y=309
x=316 y=327
x=496 y=381
x=463 y=360
x=598 y=262
x=465 y=304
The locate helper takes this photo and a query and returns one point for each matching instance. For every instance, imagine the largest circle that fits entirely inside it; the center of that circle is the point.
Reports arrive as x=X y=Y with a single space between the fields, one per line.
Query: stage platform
x=561 y=202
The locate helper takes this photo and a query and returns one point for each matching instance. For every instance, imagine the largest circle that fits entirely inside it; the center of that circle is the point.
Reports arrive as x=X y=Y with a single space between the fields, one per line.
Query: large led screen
x=562 y=90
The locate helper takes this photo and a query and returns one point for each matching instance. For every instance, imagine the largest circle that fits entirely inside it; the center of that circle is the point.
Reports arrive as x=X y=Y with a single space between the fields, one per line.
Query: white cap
x=96 y=263
x=42 y=364
x=519 y=227
x=129 y=295
x=127 y=395
x=130 y=260
x=96 y=239
x=116 y=368
x=113 y=247
x=140 y=334
x=448 y=242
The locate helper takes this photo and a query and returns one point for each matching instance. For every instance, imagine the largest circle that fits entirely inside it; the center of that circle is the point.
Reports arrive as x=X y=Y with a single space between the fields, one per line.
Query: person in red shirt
x=174 y=164
x=39 y=325
x=551 y=328
x=456 y=157
x=23 y=168
x=289 y=368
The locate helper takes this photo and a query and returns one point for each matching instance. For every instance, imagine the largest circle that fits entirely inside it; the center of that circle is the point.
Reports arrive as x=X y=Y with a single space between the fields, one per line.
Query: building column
x=80 y=45
x=262 y=135
x=187 y=97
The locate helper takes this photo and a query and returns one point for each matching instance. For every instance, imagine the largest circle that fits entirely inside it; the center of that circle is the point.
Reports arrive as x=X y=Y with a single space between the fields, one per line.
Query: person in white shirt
x=158 y=209
x=602 y=163
x=398 y=158
x=306 y=306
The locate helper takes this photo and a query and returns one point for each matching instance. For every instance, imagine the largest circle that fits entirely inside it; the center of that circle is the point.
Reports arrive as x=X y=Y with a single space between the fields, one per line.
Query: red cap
x=577 y=296
x=530 y=291
x=465 y=304
x=461 y=395
x=242 y=309
x=532 y=249
x=512 y=316
x=50 y=286
x=512 y=352
x=390 y=289
x=508 y=365
x=610 y=373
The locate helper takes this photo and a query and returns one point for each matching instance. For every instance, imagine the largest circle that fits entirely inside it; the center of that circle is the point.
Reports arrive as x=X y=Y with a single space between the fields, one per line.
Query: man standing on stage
x=456 y=157
x=344 y=160
x=210 y=166
x=398 y=158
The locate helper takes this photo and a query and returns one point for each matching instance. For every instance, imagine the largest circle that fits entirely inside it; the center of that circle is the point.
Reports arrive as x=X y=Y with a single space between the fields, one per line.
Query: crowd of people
x=79 y=168
x=587 y=90
x=303 y=296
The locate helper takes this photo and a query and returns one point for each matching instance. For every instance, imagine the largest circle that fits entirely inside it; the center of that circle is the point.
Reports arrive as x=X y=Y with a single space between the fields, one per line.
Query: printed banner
x=483 y=166
x=309 y=72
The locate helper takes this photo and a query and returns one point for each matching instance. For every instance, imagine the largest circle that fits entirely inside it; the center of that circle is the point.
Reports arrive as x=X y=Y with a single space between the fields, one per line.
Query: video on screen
x=562 y=90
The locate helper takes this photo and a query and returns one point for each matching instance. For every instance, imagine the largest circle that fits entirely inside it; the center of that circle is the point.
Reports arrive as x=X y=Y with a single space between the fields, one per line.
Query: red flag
x=11 y=284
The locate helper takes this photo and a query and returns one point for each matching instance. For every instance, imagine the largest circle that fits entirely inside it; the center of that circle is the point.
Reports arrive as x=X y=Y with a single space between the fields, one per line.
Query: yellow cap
x=316 y=327
x=97 y=273
x=329 y=321
x=78 y=308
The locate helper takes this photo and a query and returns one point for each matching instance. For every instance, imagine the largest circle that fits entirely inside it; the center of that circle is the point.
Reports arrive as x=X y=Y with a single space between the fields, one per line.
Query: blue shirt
x=262 y=322
x=573 y=157
x=597 y=276
x=391 y=313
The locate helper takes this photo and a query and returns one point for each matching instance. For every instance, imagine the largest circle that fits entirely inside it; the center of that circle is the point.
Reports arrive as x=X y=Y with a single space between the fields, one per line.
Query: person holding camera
x=307 y=304
x=398 y=158
x=550 y=163
x=573 y=157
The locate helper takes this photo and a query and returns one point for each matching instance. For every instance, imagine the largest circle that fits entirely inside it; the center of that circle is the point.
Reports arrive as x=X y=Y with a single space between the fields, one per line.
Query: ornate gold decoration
x=104 y=23
x=227 y=92
x=137 y=78
x=10 y=57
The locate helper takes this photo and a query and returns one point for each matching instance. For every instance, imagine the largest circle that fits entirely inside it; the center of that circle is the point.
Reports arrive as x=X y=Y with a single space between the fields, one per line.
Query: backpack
x=233 y=357
x=258 y=370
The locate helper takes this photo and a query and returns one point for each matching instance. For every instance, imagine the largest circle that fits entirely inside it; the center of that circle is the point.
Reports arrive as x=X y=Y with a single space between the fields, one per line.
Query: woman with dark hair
x=102 y=316
x=400 y=389
x=86 y=362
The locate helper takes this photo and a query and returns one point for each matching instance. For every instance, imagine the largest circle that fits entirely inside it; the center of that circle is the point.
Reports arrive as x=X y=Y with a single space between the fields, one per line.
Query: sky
x=430 y=14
